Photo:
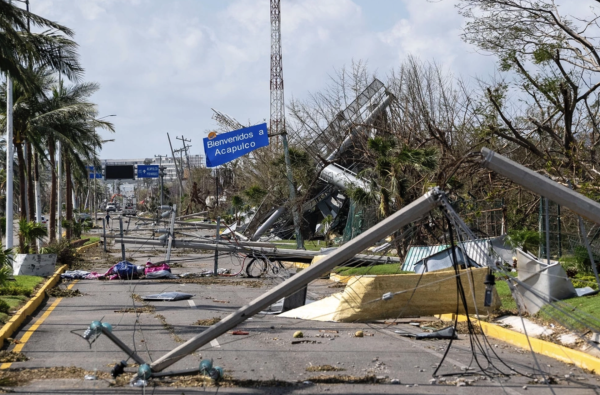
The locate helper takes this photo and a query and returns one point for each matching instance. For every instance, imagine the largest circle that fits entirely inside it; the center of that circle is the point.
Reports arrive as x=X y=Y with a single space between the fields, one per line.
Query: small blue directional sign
x=94 y=174
x=147 y=171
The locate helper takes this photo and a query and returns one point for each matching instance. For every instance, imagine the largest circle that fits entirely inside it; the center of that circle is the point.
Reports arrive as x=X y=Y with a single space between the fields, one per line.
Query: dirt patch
x=11 y=356
x=462 y=328
x=137 y=310
x=63 y=292
x=217 y=281
x=208 y=322
x=137 y=298
x=169 y=328
x=324 y=368
x=345 y=379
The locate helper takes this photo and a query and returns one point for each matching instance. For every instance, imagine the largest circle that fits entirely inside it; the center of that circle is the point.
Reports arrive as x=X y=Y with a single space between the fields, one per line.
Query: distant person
x=107 y=219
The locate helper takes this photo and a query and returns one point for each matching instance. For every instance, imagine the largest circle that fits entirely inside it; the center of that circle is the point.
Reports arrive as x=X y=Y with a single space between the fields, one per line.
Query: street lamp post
x=9 y=162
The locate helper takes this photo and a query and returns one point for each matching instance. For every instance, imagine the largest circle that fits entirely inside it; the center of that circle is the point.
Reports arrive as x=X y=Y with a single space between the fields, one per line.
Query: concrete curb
x=88 y=246
x=561 y=353
x=15 y=322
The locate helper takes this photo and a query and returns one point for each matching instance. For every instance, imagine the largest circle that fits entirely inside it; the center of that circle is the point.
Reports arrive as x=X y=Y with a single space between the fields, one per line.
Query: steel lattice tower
x=277 y=124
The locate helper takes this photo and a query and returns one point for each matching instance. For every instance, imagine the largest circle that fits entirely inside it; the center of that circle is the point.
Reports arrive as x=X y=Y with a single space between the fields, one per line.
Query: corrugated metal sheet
x=416 y=253
x=477 y=250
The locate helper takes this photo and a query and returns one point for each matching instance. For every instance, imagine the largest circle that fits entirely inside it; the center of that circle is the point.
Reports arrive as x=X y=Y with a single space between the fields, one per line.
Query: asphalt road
x=267 y=352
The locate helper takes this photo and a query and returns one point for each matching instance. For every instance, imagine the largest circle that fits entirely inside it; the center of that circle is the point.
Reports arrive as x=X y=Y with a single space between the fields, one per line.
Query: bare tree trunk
x=30 y=188
x=53 y=192
x=37 y=196
x=22 y=196
x=69 y=192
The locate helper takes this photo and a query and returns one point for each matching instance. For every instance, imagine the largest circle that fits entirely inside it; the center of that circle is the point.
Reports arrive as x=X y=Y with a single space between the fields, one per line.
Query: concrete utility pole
x=185 y=148
x=161 y=174
x=9 y=162
x=179 y=176
x=59 y=193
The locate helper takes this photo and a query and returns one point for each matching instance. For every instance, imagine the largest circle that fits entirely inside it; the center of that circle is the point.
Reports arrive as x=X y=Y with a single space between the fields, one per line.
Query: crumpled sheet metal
x=436 y=294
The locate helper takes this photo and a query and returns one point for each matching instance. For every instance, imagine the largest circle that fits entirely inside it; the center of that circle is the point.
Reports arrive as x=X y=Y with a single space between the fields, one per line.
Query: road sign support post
x=217 y=238
x=122 y=244
x=104 y=232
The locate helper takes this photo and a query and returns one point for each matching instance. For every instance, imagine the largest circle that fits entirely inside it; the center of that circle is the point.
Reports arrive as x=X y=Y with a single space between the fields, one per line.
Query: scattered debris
x=168 y=296
x=305 y=341
x=137 y=298
x=346 y=379
x=23 y=376
x=324 y=368
x=208 y=322
x=63 y=293
x=240 y=333
x=137 y=310
x=462 y=328
x=359 y=334
x=298 y=334
x=220 y=301
x=11 y=356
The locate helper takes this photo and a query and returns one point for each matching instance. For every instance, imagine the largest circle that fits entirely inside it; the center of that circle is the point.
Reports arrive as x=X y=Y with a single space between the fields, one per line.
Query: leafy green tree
x=389 y=176
x=21 y=51
x=525 y=239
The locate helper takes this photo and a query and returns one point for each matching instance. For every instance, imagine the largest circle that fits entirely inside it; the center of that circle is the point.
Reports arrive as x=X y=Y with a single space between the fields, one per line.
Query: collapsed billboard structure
x=332 y=149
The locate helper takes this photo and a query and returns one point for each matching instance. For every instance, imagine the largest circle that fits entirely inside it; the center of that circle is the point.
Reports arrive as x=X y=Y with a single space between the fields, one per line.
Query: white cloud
x=162 y=65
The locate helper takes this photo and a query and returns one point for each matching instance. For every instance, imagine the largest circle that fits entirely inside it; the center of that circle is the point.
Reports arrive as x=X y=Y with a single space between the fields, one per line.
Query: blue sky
x=162 y=64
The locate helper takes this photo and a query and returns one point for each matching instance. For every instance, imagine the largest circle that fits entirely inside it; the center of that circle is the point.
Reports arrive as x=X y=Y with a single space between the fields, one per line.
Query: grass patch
x=582 y=314
x=508 y=303
x=23 y=285
x=92 y=240
x=390 y=268
x=15 y=293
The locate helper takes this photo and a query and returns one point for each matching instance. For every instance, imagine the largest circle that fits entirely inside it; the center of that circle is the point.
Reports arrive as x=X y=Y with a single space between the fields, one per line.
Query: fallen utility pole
x=405 y=216
x=171 y=234
x=193 y=215
x=274 y=254
x=541 y=185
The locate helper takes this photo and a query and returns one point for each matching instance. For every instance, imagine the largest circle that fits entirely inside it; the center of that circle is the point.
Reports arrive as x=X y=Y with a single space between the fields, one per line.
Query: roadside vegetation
x=15 y=293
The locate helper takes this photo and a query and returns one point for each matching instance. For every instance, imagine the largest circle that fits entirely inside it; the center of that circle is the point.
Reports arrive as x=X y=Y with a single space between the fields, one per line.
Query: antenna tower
x=277 y=124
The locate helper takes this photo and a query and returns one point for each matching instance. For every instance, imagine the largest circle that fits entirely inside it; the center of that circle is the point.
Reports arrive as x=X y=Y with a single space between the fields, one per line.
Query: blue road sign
x=147 y=171
x=223 y=148
x=94 y=174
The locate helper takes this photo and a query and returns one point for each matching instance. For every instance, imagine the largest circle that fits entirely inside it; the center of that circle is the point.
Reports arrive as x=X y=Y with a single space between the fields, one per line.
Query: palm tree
x=56 y=113
x=70 y=118
x=389 y=176
x=21 y=50
x=30 y=232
